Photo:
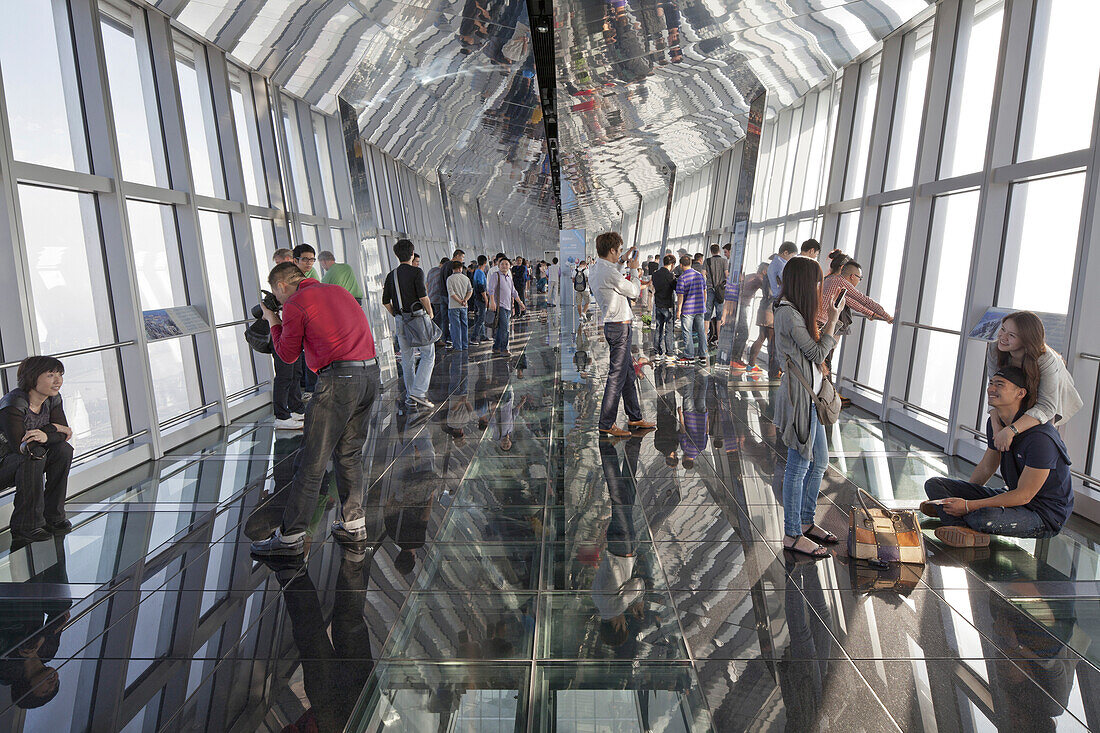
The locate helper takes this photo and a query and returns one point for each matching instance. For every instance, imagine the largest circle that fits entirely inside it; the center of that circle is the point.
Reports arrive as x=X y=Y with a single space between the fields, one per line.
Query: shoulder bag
x=826 y=400
x=880 y=536
x=491 y=315
x=416 y=328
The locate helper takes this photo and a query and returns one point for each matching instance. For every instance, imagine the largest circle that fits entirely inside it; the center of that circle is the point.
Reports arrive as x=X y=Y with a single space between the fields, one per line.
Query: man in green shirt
x=305 y=257
x=339 y=274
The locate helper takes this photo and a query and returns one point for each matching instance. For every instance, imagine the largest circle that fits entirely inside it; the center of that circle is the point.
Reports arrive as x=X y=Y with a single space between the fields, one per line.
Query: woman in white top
x=1021 y=342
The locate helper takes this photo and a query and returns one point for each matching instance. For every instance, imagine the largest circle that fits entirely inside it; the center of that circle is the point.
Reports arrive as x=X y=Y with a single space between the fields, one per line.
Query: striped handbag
x=881 y=536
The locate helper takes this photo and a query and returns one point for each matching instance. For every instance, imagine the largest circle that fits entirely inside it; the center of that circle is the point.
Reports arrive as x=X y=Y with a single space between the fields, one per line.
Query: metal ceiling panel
x=644 y=87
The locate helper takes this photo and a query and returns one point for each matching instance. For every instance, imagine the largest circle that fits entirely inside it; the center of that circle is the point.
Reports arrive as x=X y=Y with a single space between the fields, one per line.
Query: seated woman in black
x=34 y=446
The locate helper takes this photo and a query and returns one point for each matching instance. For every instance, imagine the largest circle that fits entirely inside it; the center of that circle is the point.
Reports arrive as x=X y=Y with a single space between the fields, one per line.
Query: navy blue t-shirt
x=1040 y=447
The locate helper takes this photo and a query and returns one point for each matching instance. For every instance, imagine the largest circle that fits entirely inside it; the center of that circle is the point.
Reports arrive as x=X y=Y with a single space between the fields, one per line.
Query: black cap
x=1013 y=374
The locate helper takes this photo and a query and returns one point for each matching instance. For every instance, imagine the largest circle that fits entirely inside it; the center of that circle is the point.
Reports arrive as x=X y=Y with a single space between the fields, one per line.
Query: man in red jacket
x=328 y=323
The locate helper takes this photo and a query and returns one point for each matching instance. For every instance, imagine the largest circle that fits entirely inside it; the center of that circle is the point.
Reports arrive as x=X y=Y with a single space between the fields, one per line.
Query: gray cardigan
x=1057 y=399
x=793 y=402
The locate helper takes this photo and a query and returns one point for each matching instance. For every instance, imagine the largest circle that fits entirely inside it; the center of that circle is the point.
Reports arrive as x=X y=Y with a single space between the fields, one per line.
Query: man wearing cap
x=329 y=325
x=1038 y=495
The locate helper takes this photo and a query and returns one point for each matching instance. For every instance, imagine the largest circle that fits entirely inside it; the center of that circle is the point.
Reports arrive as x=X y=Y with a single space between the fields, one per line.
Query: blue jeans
x=477 y=333
x=621 y=379
x=1014 y=521
x=665 y=337
x=500 y=343
x=441 y=319
x=460 y=328
x=802 y=480
x=694 y=327
x=417 y=376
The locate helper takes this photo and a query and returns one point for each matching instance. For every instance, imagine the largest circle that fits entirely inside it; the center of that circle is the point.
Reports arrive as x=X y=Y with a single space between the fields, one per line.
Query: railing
x=172 y=422
x=76 y=352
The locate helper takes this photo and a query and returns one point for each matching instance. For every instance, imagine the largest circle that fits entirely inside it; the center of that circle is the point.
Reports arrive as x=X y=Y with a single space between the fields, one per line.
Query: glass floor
x=523 y=575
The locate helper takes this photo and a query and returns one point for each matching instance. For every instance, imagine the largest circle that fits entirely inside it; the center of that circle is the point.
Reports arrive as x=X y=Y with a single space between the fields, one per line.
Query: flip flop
x=825 y=538
x=819 y=553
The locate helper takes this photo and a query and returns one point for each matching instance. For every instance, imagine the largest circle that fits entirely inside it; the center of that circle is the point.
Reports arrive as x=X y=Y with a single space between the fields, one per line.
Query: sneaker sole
x=282 y=552
x=962 y=537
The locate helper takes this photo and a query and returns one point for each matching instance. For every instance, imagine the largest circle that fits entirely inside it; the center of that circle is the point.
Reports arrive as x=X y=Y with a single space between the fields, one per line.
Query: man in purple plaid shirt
x=691 y=289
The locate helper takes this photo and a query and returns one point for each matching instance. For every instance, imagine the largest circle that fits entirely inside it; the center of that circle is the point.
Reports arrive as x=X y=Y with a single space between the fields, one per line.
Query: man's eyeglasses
x=307 y=259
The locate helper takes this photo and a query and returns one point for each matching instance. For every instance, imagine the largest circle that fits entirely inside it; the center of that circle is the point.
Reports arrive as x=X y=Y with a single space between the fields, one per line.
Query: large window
x=40 y=85
x=1041 y=243
x=245 y=120
x=296 y=164
x=263 y=243
x=973 y=80
x=199 y=118
x=222 y=272
x=1063 y=64
x=860 y=144
x=324 y=158
x=133 y=96
x=882 y=285
x=909 y=110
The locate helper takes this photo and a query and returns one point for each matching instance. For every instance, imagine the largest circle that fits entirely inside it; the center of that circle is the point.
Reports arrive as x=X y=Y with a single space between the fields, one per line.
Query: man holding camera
x=328 y=323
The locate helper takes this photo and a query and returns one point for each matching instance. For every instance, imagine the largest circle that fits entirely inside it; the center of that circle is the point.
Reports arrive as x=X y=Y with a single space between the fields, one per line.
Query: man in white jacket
x=613 y=291
x=554 y=275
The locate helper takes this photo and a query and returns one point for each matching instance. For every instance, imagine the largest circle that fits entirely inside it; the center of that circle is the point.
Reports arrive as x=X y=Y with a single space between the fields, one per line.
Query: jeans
x=504 y=317
x=439 y=310
x=286 y=392
x=33 y=507
x=714 y=306
x=417 y=376
x=460 y=328
x=621 y=380
x=694 y=327
x=802 y=480
x=477 y=332
x=1014 y=521
x=665 y=336
x=336 y=427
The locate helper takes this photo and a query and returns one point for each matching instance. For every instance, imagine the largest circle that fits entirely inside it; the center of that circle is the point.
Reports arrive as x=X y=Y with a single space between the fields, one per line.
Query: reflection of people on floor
x=804 y=665
x=334 y=670
x=695 y=421
x=1038 y=495
x=30 y=634
x=1034 y=688
x=408 y=507
x=667 y=438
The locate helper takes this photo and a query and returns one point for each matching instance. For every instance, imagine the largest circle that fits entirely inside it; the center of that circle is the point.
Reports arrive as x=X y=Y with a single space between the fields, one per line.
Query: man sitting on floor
x=1038 y=497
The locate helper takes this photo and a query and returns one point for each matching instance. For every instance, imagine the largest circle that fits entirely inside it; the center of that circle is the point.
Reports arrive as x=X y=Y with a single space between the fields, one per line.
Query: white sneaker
x=299 y=416
x=289 y=423
x=423 y=402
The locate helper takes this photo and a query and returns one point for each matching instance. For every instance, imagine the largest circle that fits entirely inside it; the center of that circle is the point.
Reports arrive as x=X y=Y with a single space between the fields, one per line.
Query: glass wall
x=960 y=181
x=144 y=176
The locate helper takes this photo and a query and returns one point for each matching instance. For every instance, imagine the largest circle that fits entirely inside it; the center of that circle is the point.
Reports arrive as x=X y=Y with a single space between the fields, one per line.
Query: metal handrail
x=861 y=385
x=187 y=415
x=1083 y=477
x=247 y=390
x=930 y=328
x=918 y=408
x=1090 y=357
x=76 y=352
x=108 y=447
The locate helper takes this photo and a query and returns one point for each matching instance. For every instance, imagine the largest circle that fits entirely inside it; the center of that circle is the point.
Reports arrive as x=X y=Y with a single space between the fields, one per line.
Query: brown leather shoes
x=641 y=424
x=615 y=432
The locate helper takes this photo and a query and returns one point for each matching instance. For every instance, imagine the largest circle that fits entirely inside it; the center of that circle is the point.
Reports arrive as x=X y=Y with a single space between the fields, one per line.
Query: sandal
x=820 y=536
x=817 y=553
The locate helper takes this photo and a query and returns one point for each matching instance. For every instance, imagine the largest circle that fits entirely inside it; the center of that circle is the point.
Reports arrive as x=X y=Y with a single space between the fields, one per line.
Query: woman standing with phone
x=803 y=346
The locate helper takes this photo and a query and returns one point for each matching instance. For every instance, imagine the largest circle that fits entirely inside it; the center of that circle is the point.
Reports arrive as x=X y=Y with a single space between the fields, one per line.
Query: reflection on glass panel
x=793 y=151
x=860 y=144
x=320 y=138
x=248 y=136
x=309 y=236
x=909 y=108
x=299 y=180
x=133 y=99
x=1063 y=65
x=237 y=370
x=815 y=163
x=971 y=100
x=198 y=118
x=263 y=243
x=156 y=618
x=65 y=256
x=157 y=262
x=883 y=287
x=1041 y=243
x=221 y=266
x=947 y=266
x=175 y=376
x=40 y=85
x=934 y=352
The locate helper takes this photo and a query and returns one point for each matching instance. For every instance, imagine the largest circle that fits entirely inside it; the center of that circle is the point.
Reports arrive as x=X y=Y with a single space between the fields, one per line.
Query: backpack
x=580 y=281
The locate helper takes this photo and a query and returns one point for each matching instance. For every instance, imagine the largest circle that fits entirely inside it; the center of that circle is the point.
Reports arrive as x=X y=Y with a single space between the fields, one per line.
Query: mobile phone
x=839 y=297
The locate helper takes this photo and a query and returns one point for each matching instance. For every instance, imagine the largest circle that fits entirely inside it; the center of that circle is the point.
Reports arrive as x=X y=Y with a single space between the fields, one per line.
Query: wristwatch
x=1013 y=428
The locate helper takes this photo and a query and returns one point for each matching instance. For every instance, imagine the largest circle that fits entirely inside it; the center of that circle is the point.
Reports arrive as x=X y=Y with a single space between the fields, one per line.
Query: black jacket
x=13 y=411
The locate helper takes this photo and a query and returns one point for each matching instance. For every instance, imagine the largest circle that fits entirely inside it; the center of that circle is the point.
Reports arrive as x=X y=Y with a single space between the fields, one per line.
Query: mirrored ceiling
x=644 y=87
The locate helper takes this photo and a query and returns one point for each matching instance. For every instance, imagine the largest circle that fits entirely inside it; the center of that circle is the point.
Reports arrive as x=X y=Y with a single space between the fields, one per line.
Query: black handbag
x=417 y=328
x=258 y=336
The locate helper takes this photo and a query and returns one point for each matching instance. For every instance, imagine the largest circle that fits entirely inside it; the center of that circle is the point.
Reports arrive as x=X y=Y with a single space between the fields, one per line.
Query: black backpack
x=580 y=281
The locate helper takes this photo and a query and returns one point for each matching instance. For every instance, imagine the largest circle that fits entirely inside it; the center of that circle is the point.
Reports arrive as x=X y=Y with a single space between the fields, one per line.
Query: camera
x=268 y=300
x=36 y=450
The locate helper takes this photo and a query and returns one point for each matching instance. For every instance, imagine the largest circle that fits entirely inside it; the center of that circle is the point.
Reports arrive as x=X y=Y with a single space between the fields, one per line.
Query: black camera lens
x=37 y=451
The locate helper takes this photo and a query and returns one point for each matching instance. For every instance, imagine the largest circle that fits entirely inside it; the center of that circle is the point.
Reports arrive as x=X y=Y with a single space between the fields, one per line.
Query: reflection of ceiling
x=643 y=86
